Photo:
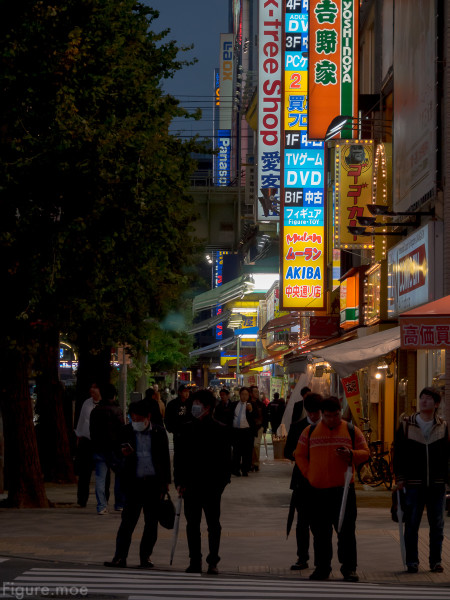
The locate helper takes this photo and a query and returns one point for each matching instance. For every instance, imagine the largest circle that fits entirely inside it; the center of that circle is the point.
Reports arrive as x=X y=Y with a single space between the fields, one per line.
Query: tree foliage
x=95 y=223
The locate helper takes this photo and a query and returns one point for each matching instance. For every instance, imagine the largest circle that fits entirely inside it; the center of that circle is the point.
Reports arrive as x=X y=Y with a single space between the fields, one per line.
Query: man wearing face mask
x=146 y=477
x=202 y=469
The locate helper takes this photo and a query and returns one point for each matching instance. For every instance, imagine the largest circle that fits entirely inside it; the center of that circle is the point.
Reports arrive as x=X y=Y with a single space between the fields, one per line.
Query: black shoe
x=412 y=568
x=118 y=563
x=244 y=474
x=146 y=564
x=319 y=575
x=213 y=570
x=236 y=473
x=438 y=568
x=194 y=568
x=350 y=576
x=299 y=566
x=255 y=468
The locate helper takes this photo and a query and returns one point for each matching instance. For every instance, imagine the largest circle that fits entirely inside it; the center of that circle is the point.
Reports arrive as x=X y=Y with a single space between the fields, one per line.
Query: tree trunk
x=52 y=434
x=25 y=483
x=94 y=366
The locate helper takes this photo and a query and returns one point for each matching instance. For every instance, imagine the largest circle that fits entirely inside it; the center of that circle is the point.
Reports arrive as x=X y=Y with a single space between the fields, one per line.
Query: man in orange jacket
x=323 y=454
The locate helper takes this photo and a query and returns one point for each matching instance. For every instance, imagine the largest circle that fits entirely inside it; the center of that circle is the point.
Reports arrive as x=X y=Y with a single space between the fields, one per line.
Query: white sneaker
x=103 y=512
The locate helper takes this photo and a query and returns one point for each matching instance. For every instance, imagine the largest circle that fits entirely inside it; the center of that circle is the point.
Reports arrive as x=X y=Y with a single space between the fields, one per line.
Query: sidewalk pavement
x=254 y=513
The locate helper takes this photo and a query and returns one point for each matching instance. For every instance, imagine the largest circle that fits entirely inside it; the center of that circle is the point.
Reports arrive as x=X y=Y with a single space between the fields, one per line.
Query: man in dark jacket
x=202 y=467
x=106 y=422
x=224 y=408
x=275 y=410
x=145 y=477
x=421 y=451
x=299 y=484
x=178 y=412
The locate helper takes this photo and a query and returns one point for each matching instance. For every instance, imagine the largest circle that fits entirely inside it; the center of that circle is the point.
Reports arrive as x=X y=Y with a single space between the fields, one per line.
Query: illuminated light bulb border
x=336 y=225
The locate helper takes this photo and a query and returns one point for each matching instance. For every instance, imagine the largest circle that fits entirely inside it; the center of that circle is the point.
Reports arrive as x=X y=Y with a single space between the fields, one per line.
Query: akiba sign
x=269 y=102
x=303 y=221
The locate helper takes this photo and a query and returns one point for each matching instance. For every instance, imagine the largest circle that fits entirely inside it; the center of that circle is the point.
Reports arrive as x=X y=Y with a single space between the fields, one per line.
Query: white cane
x=348 y=478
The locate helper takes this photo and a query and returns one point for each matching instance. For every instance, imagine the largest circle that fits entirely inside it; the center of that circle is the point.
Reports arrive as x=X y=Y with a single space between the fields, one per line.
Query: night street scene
x=225 y=256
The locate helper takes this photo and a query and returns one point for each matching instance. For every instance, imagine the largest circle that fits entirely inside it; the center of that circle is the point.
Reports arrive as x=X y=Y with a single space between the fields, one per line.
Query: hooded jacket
x=418 y=462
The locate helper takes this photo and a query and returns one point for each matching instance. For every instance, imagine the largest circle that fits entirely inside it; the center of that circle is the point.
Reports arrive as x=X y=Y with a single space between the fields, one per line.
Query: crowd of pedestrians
x=216 y=436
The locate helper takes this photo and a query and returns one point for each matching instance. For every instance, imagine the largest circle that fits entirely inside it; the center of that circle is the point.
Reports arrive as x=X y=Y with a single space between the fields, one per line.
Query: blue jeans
x=416 y=499
x=102 y=466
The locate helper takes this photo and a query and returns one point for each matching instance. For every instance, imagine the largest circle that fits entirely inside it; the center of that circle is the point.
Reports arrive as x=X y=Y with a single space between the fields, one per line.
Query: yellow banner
x=354 y=174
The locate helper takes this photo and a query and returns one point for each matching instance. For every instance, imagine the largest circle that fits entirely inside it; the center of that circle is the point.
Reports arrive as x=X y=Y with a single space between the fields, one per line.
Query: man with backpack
x=323 y=454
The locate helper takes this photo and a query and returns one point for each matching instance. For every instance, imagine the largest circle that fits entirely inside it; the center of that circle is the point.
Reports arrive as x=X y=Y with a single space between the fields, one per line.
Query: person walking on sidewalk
x=421 y=452
x=323 y=454
x=146 y=477
x=223 y=411
x=84 y=461
x=178 y=412
x=202 y=469
x=261 y=423
x=299 y=484
x=243 y=434
x=106 y=422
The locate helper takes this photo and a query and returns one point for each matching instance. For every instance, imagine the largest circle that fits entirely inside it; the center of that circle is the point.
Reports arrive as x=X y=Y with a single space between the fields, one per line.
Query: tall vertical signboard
x=218 y=271
x=303 y=218
x=333 y=64
x=216 y=124
x=225 y=110
x=269 y=111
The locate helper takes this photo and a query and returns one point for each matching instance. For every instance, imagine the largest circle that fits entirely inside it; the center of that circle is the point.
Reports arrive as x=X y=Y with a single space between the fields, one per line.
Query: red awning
x=426 y=327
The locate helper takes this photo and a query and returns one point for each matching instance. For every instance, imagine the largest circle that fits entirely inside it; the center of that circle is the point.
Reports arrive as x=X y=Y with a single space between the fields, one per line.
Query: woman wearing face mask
x=146 y=478
x=202 y=469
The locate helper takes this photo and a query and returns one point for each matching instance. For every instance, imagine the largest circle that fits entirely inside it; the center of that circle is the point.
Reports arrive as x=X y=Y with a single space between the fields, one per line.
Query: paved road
x=80 y=582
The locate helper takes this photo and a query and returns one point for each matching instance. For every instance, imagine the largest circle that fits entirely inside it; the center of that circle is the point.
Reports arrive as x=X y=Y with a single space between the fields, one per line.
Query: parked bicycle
x=377 y=470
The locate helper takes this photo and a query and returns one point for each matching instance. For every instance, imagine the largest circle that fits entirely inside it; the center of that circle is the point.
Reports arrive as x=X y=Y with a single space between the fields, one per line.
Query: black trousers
x=301 y=499
x=196 y=500
x=325 y=507
x=243 y=442
x=144 y=495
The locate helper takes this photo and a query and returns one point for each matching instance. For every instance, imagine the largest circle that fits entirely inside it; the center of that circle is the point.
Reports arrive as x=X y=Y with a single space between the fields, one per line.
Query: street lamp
x=342 y=122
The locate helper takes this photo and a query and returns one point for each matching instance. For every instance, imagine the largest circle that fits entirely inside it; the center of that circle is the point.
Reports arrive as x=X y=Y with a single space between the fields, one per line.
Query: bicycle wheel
x=377 y=473
x=365 y=474
x=385 y=471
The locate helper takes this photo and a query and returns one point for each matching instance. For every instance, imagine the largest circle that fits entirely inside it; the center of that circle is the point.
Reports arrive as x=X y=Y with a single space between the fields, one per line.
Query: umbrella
x=400 y=528
x=265 y=446
x=348 y=478
x=291 y=515
x=176 y=526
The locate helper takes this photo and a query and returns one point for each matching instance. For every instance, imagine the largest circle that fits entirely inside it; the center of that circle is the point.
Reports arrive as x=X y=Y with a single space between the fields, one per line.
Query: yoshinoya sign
x=269 y=113
x=415 y=269
x=333 y=57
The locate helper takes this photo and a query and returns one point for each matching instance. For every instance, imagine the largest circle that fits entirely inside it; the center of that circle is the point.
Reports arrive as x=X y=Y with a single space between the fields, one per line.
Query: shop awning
x=208 y=323
x=213 y=347
x=427 y=326
x=236 y=288
x=350 y=356
x=283 y=322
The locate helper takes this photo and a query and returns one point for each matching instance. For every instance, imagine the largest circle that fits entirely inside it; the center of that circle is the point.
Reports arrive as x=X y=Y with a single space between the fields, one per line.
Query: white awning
x=208 y=323
x=225 y=293
x=350 y=356
x=213 y=347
